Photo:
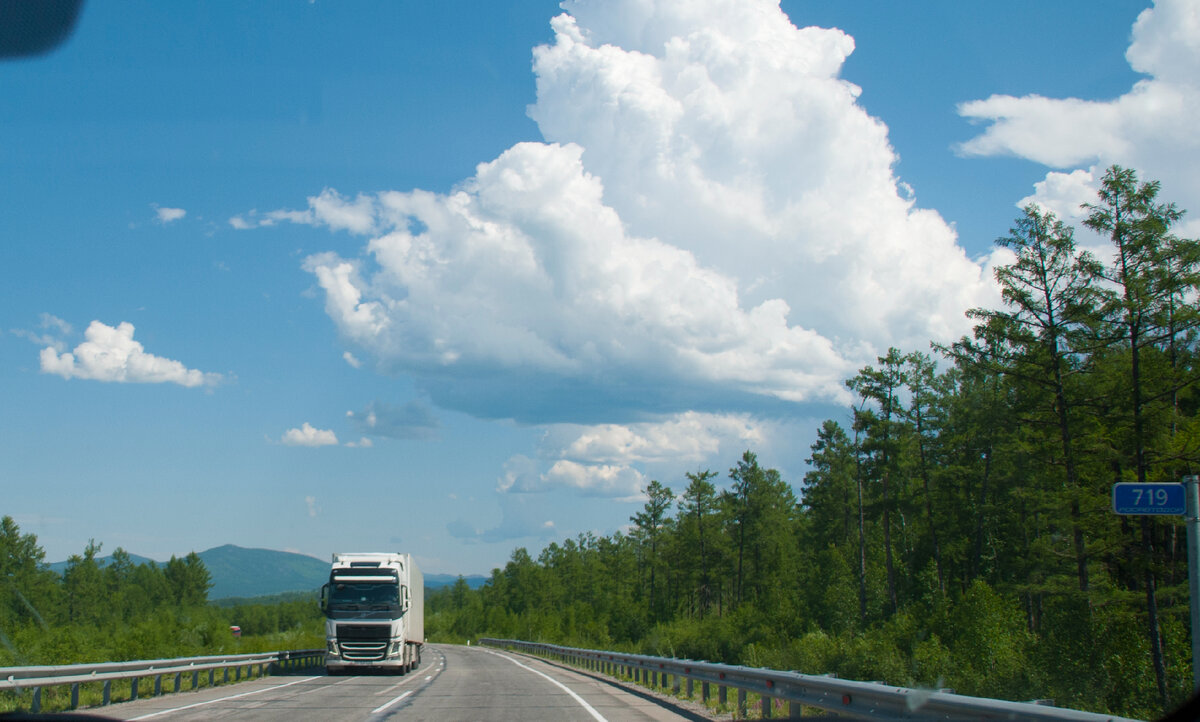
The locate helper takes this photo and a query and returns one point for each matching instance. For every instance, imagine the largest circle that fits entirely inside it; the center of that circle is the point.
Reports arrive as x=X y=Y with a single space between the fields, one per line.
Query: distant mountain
x=437 y=581
x=246 y=573
x=241 y=572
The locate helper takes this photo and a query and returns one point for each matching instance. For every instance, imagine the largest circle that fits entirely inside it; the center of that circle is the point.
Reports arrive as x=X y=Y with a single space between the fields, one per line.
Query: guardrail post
x=75 y=696
x=704 y=692
x=226 y=671
x=767 y=704
x=237 y=674
x=722 y=695
x=211 y=672
x=178 y=681
x=133 y=690
x=157 y=685
x=741 y=710
x=195 y=679
x=691 y=687
x=35 y=705
x=795 y=710
x=107 y=699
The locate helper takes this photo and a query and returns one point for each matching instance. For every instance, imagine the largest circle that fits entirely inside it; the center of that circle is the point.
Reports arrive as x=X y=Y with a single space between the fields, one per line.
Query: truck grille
x=364 y=642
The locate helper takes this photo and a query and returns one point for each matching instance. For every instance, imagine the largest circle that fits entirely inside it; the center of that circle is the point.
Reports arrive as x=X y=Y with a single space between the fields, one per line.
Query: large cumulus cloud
x=713 y=227
x=524 y=285
x=722 y=128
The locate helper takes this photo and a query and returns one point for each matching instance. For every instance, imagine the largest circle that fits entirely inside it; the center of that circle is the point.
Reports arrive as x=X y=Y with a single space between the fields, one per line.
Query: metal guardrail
x=38 y=678
x=865 y=700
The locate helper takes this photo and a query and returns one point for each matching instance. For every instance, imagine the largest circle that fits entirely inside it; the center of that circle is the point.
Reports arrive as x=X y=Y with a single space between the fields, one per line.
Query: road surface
x=453 y=683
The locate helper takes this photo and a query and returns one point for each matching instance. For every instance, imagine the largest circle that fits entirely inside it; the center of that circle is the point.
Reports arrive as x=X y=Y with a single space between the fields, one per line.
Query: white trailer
x=374 y=608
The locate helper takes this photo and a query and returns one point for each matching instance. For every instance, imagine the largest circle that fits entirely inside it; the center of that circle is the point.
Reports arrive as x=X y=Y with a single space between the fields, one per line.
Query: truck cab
x=374 y=613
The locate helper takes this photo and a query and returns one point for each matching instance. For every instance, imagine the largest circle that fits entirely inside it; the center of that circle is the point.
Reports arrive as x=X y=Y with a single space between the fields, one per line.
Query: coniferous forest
x=954 y=527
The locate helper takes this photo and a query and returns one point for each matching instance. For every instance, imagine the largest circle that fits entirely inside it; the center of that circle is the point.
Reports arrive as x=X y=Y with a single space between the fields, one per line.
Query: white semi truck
x=374 y=608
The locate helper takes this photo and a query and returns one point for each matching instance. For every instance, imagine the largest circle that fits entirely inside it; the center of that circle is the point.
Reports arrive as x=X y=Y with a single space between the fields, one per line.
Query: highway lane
x=453 y=683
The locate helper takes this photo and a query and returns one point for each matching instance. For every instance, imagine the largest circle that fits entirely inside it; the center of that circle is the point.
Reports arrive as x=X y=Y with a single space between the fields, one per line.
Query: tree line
x=954 y=528
x=118 y=610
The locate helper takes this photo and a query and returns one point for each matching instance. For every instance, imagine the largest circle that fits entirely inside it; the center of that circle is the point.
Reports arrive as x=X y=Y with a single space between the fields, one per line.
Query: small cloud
x=363 y=443
x=111 y=354
x=329 y=209
x=311 y=503
x=350 y=359
x=166 y=215
x=51 y=327
x=522 y=475
x=413 y=420
x=306 y=435
x=49 y=321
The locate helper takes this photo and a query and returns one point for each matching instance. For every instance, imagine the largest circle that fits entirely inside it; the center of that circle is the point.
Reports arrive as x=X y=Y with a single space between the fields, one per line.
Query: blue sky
x=358 y=276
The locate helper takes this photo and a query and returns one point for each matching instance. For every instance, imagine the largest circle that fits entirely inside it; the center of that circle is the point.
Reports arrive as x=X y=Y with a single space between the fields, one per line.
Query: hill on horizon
x=247 y=572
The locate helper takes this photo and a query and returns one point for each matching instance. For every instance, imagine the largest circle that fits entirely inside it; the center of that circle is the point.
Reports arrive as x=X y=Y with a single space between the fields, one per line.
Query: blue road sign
x=1135 y=498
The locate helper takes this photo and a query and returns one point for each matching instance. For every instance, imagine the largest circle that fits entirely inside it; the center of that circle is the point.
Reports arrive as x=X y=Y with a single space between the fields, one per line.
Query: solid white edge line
x=381 y=708
x=591 y=710
x=222 y=699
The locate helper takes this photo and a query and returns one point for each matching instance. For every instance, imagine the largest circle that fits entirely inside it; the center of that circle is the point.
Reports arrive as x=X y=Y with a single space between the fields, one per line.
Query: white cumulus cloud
x=687 y=437
x=722 y=128
x=166 y=215
x=306 y=435
x=525 y=271
x=111 y=354
x=1151 y=128
x=327 y=209
x=523 y=475
x=714 y=223
x=604 y=459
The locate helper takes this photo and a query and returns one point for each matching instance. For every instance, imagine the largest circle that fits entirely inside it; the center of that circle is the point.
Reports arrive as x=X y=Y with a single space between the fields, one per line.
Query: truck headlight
x=331 y=647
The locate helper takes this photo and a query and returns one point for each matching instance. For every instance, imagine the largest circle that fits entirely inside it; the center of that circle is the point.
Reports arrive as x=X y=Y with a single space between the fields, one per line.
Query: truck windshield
x=363 y=595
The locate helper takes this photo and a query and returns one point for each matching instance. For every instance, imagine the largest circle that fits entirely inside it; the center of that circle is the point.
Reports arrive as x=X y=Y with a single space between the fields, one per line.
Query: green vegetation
x=124 y=611
x=954 y=530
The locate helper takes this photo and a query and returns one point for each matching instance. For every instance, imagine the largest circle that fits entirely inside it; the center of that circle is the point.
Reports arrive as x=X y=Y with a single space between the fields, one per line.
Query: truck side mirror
x=325 y=598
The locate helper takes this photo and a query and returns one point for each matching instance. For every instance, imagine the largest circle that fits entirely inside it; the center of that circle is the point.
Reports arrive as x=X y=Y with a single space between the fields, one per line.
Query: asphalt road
x=453 y=683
